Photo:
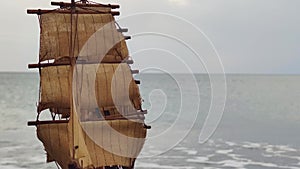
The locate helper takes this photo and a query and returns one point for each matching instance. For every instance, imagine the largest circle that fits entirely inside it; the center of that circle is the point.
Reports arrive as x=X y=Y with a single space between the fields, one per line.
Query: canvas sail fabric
x=55 y=88
x=56 y=140
x=81 y=153
x=106 y=143
x=56 y=40
x=116 y=142
x=104 y=86
x=100 y=86
x=107 y=87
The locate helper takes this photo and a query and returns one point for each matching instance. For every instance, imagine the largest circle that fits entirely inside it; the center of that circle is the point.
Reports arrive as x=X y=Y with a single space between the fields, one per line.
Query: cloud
x=179 y=2
x=251 y=36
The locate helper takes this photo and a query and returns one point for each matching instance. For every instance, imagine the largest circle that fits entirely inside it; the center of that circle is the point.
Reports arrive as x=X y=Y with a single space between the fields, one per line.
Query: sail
x=84 y=77
x=99 y=143
x=56 y=140
x=117 y=142
x=55 y=88
x=79 y=146
x=112 y=86
x=59 y=33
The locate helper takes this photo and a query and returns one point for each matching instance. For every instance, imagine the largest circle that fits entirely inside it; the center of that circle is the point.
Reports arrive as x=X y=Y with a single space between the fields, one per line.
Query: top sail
x=56 y=42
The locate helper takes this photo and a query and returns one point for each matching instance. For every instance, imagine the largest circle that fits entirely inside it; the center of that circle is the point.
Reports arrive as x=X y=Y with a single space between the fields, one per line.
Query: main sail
x=87 y=87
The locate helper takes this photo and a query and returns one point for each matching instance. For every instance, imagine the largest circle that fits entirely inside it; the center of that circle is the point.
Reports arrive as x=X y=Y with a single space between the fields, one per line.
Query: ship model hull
x=87 y=87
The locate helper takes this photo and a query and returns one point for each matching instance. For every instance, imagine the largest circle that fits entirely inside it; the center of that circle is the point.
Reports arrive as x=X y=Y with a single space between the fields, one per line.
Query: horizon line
x=231 y=73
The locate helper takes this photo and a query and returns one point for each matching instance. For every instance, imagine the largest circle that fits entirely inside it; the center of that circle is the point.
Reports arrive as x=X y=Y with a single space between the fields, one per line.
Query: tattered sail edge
x=55 y=37
x=56 y=128
x=55 y=91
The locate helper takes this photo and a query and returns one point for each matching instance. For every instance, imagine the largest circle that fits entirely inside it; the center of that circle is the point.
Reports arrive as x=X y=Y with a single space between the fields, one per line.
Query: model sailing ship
x=87 y=87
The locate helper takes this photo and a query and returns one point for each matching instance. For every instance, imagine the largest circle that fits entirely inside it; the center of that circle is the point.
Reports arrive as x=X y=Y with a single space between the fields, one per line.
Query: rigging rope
x=57 y=165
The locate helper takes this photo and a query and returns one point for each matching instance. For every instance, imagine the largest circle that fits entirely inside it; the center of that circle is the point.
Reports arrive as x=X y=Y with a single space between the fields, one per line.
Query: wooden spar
x=130 y=62
x=34 y=123
x=125 y=118
x=130 y=117
x=41 y=65
x=64 y=4
x=137 y=82
x=40 y=12
x=147 y=127
x=127 y=37
x=135 y=71
x=122 y=30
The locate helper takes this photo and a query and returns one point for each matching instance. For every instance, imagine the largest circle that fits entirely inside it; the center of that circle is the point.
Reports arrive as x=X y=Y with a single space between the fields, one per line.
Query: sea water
x=259 y=129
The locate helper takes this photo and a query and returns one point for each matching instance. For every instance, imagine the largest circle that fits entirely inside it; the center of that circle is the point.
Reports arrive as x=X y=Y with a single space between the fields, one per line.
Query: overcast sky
x=250 y=36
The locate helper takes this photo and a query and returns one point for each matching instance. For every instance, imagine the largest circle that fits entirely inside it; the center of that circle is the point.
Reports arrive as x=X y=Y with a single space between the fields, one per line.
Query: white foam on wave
x=186 y=150
x=286 y=148
x=241 y=161
x=234 y=156
x=210 y=142
x=264 y=164
x=190 y=152
x=202 y=160
x=251 y=145
x=230 y=143
x=233 y=163
x=37 y=159
x=171 y=157
x=151 y=152
x=198 y=160
x=283 y=156
x=273 y=165
x=9 y=148
x=180 y=148
x=238 y=162
x=224 y=151
x=273 y=150
x=9 y=167
x=7 y=161
x=154 y=165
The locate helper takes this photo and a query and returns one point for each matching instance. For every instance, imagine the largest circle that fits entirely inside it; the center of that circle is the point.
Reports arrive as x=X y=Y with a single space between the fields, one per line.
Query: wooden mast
x=72 y=64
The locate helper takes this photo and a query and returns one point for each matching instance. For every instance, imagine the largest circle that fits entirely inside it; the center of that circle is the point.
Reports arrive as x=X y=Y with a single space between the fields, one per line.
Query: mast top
x=74 y=4
x=84 y=3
